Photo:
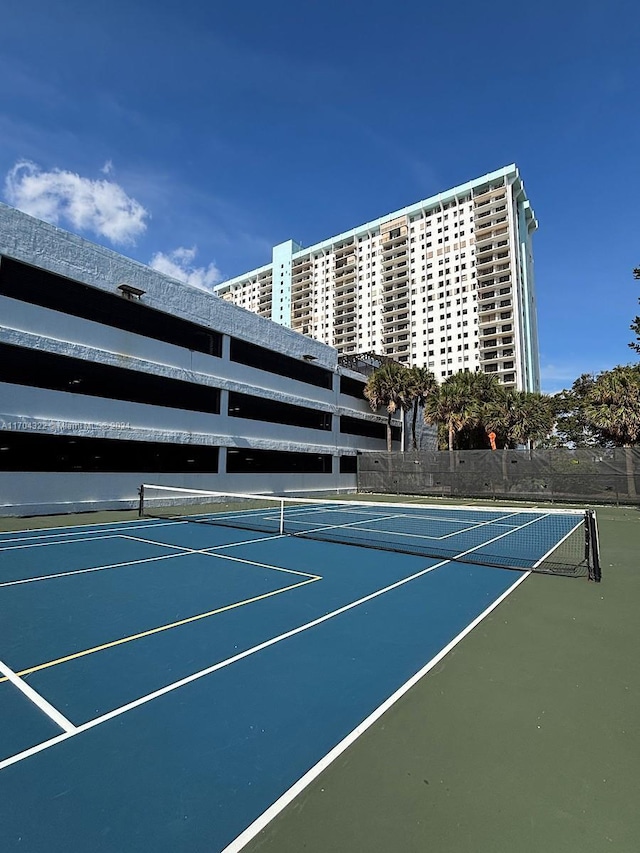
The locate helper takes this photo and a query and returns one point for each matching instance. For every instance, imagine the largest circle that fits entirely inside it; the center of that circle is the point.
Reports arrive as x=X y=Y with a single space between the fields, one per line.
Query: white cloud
x=179 y=264
x=107 y=169
x=100 y=207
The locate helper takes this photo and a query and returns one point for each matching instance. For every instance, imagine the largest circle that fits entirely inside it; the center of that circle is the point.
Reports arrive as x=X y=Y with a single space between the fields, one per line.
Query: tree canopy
x=388 y=387
x=635 y=326
x=422 y=384
x=519 y=417
x=597 y=411
x=458 y=404
x=612 y=406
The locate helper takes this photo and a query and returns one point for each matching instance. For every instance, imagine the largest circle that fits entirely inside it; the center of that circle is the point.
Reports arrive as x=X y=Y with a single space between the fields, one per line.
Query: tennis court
x=169 y=684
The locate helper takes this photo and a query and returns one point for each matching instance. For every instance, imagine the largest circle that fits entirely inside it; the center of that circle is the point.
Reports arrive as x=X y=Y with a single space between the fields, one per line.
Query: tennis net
x=556 y=541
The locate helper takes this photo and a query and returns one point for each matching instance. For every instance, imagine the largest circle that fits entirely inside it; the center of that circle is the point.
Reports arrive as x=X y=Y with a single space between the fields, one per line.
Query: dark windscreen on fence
x=585 y=474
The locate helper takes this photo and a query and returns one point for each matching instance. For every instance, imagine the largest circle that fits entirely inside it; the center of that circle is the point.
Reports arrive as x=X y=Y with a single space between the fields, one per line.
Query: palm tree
x=422 y=383
x=519 y=417
x=613 y=407
x=458 y=402
x=388 y=387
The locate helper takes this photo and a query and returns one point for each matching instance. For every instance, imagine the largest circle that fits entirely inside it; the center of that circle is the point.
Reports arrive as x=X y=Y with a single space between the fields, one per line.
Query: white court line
x=557 y=545
x=261 y=565
x=215 y=547
x=211 y=669
x=422 y=535
x=114 y=532
x=497 y=521
x=92 y=569
x=184 y=552
x=53 y=544
x=207 y=552
x=282 y=802
x=349 y=524
x=411 y=515
x=38 y=700
x=20 y=756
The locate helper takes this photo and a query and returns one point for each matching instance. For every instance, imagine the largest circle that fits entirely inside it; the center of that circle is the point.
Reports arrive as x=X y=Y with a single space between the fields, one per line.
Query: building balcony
x=392 y=243
x=346 y=261
x=345 y=303
x=488 y=319
x=300 y=266
x=488 y=195
x=491 y=211
x=301 y=286
x=339 y=252
x=395 y=315
x=394 y=295
x=344 y=281
x=491 y=225
x=395 y=268
x=389 y=258
x=298 y=308
x=345 y=314
x=393 y=307
x=490 y=235
x=345 y=290
x=398 y=277
x=400 y=300
x=485 y=270
x=396 y=339
x=345 y=337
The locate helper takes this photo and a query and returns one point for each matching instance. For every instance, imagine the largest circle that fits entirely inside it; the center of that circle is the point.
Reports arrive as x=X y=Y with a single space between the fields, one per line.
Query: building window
x=40 y=287
x=251 y=461
x=40 y=369
x=34 y=451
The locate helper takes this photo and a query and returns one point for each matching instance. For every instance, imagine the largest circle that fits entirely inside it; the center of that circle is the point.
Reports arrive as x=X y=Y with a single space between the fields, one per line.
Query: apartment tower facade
x=446 y=283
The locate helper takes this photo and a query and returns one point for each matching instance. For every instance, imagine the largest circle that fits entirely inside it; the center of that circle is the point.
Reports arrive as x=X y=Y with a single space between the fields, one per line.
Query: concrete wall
x=41 y=410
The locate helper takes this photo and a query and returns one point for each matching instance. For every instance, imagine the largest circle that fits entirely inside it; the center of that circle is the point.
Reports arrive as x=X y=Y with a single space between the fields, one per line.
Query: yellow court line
x=157 y=630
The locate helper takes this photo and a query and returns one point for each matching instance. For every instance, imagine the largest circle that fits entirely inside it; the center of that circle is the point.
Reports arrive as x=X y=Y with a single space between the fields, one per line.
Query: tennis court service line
x=412 y=535
x=53 y=544
x=71 y=572
x=141 y=634
x=208 y=552
x=80 y=528
x=184 y=551
x=169 y=688
x=351 y=524
x=36 y=698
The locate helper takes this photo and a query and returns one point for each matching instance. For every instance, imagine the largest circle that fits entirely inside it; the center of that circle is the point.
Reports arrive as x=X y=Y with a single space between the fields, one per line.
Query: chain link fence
x=584 y=474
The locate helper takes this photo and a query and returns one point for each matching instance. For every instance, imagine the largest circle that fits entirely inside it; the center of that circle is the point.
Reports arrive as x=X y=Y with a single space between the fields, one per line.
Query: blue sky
x=201 y=134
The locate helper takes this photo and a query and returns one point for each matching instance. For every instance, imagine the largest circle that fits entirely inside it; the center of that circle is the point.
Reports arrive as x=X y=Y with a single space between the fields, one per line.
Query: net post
x=281 y=531
x=141 y=501
x=593 y=562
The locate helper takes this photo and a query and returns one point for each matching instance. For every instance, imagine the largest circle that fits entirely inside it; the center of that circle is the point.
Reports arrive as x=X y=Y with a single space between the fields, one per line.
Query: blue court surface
x=164 y=683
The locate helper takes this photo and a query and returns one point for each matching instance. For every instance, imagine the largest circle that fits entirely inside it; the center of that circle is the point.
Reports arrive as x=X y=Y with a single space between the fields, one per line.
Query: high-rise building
x=446 y=283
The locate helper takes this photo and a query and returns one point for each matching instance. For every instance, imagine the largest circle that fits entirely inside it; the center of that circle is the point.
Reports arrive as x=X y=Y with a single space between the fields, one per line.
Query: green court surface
x=524 y=738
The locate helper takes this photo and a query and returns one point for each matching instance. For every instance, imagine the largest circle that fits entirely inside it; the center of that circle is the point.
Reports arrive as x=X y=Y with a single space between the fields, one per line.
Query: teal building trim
x=281 y=284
